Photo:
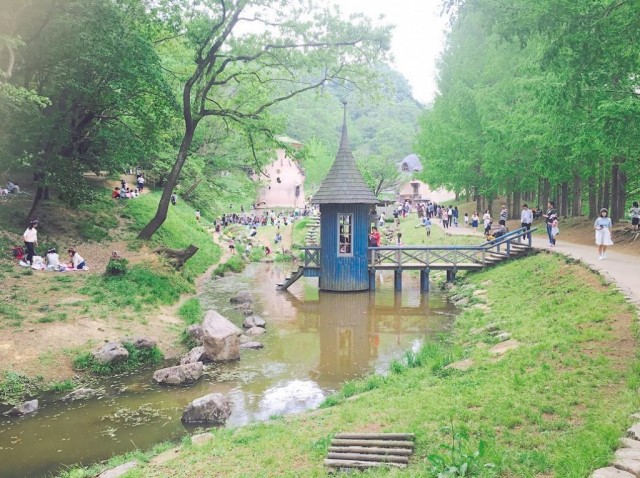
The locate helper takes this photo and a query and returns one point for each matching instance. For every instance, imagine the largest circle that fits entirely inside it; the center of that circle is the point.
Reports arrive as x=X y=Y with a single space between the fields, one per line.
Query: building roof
x=412 y=163
x=344 y=183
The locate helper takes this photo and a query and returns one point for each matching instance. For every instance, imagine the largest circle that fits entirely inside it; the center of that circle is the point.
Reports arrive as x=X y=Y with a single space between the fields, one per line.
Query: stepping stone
x=462 y=365
x=503 y=336
x=479 y=292
x=165 y=456
x=504 y=347
x=628 y=459
x=634 y=431
x=611 y=472
x=630 y=443
x=201 y=438
x=119 y=470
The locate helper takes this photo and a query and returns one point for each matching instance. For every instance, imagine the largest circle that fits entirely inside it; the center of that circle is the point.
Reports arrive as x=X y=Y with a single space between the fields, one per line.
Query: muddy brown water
x=315 y=342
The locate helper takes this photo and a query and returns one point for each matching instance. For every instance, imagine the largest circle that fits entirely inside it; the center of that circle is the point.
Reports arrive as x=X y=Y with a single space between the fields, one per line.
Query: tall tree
x=289 y=47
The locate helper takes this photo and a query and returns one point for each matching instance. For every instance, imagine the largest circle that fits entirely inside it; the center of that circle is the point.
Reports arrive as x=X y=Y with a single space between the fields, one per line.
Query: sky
x=417 y=38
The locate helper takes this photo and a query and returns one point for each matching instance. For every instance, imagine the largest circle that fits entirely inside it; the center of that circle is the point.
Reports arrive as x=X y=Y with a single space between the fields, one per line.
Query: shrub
x=117 y=267
x=236 y=263
x=137 y=358
x=256 y=254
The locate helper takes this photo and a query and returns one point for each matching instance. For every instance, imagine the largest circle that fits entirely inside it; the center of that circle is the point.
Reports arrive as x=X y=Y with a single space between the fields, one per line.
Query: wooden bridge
x=425 y=259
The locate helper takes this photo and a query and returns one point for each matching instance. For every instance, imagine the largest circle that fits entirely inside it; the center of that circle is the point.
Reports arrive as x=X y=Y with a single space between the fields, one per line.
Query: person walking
x=550 y=216
x=445 y=218
x=455 y=214
x=635 y=215
x=486 y=218
x=526 y=218
x=503 y=214
x=30 y=237
x=474 y=221
x=603 y=233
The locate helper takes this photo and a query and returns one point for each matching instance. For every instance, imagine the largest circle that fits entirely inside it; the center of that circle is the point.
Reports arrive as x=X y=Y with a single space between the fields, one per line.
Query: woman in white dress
x=603 y=233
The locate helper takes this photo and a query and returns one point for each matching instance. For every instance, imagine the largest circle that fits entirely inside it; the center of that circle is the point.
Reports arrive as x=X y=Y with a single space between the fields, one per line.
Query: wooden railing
x=419 y=257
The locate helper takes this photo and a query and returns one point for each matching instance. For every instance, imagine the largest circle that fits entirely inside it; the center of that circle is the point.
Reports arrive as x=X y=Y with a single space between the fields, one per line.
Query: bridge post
x=508 y=248
x=372 y=279
x=451 y=274
x=424 y=280
x=397 y=279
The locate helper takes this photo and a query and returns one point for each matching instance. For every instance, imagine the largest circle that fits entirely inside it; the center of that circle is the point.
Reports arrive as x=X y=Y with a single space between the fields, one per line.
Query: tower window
x=345 y=234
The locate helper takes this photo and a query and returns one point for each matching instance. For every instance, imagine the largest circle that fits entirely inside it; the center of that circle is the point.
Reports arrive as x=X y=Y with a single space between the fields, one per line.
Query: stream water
x=315 y=342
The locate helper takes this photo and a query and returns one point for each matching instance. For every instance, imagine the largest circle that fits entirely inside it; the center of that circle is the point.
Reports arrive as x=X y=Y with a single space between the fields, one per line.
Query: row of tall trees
x=538 y=100
x=185 y=88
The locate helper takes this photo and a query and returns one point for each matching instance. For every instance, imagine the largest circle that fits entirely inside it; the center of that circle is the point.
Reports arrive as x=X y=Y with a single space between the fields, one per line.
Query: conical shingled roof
x=344 y=183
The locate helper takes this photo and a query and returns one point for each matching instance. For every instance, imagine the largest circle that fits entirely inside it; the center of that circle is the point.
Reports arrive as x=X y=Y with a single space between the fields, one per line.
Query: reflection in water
x=315 y=342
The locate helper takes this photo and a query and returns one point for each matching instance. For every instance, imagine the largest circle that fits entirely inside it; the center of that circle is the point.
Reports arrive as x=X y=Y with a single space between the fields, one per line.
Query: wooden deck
x=425 y=259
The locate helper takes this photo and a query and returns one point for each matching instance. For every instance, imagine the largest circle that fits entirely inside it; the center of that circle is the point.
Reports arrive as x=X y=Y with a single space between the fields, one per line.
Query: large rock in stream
x=196 y=354
x=254 y=321
x=23 y=409
x=180 y=374
x=111 y=352
x=213 y=408
x=220 y=338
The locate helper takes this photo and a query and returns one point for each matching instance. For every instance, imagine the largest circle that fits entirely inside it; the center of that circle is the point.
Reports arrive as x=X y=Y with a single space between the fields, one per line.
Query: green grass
x=191 y=311
x=299 y=233
x=412 y=235
x=555 y=406
x=178 y=231
x=14 y=386
x=137 y=358
x=236 y=263
x=141 y=287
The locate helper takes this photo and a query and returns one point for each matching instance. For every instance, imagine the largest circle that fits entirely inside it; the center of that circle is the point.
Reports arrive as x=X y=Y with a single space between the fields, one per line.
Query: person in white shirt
x=30 y=237
x=53 y=260
x=526 y=218
x=77 y=262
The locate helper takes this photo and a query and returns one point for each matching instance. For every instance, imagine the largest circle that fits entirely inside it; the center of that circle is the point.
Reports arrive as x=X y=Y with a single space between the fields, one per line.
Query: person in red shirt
x=115 y=194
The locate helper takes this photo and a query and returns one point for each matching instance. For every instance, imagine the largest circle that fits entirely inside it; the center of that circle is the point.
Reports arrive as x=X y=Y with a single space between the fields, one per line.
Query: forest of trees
x=538 y=100
x=189 y=90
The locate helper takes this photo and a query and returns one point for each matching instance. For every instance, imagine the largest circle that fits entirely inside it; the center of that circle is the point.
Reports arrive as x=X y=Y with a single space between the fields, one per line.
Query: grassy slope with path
x=555 y=406
x=47 y=318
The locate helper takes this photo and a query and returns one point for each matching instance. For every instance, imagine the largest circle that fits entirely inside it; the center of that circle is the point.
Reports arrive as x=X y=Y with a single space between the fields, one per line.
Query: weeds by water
x=137 y=358
x=236 y=263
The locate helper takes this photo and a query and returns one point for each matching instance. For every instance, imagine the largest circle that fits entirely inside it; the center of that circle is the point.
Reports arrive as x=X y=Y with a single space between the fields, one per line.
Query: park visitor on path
x=635 y=215
x=474 y=221
x=30 y=237
x=426 y=223
x=551 y=216
x=487 y=222
x=526 y=218
x=603 y=233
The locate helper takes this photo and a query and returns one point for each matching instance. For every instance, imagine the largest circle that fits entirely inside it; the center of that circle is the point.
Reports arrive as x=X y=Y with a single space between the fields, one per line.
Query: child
x=426 y=222
x=603 y=233
x=232 y=245
x=474 y=221
x=197 y=215
x=77 y=262
x=466 y=219
x=399 y=240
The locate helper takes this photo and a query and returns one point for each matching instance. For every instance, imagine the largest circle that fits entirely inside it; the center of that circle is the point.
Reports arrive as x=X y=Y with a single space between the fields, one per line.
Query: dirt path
x=620 y=266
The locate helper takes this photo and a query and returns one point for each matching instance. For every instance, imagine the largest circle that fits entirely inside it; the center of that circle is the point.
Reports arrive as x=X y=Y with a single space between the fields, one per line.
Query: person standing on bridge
x=603 y=233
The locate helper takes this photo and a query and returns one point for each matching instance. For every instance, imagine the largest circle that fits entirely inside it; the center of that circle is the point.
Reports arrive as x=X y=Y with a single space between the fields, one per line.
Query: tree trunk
x=622 y=196
x=478 y=199
x=593 y=205
x=615 y=186
x=544 y=193
x=163 y=206
x=193 y=187
x=515 y=212
x=576 y=207
x=37 y=197
x=606 y=192
x=564 y=203
x=177 y=257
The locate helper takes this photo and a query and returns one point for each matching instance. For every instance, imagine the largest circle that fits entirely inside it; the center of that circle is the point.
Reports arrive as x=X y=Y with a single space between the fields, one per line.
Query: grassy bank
x=554 y=406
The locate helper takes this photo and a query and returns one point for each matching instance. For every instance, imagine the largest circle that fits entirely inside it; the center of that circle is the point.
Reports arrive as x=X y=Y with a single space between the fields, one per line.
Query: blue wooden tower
x=345 y=202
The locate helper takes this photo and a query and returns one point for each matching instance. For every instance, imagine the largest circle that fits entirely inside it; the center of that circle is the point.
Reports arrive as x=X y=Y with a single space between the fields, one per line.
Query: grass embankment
x=554 y=406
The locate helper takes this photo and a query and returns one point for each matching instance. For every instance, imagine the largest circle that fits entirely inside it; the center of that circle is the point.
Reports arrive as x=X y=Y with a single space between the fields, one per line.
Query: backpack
x=18 y=252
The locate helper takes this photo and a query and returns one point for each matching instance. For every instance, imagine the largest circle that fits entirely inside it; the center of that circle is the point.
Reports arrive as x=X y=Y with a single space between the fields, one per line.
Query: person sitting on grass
x=502 y=229
x=115 y=194
x=77 y=262
x=52 y=259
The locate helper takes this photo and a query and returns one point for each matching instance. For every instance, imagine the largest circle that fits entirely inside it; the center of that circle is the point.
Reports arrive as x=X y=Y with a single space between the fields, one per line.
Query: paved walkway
x=619 y=268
